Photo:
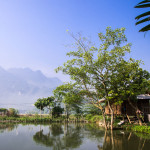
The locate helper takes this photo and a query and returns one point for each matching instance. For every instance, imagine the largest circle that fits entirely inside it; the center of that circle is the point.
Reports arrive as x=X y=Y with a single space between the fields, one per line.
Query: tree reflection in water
x=121 y=140
x=7 y=127
x=72 y=136
x=59 y=137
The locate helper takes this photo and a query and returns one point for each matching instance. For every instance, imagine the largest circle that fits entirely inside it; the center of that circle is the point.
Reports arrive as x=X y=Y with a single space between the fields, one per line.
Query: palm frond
x=143 y=20
x=146 y=28
x=143 y=6
x=143 y=15
x=145 y=1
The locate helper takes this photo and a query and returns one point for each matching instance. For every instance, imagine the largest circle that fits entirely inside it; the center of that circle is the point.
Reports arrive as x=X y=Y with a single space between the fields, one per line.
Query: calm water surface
x=68 y=137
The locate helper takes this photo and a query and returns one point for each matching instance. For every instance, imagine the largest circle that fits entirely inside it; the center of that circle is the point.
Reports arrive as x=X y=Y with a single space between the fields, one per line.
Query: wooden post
x=128 y=119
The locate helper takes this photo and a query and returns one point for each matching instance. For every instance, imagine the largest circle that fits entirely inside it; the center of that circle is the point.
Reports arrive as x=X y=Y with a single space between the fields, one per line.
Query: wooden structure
x=143 y=104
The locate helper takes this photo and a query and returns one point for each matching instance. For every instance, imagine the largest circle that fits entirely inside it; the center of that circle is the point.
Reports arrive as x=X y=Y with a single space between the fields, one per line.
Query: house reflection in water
x=121 y=140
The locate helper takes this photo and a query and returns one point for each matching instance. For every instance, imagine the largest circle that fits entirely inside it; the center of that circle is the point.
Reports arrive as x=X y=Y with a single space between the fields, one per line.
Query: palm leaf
x=146 y=28
x=143 y=6
x=143 y=20
x=145 y=1
x=143 y=15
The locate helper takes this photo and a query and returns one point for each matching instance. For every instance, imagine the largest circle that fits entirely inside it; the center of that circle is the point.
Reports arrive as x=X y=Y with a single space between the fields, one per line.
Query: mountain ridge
x=21 y=85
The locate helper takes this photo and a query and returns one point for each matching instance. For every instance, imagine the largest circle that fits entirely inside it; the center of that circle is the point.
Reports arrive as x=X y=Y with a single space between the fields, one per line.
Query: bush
x=145 y=129
x=88 y=117
x=96 y=118
x=12 y=112
x=93 y=118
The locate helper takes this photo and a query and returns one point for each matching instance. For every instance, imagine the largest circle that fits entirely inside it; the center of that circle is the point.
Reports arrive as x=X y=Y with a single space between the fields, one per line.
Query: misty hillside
x=19 y=85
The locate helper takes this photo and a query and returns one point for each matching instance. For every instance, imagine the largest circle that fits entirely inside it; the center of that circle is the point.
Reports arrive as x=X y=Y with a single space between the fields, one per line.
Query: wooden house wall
x=144 y=106
x=116 y=109
x=125 y=108
x=129 y=110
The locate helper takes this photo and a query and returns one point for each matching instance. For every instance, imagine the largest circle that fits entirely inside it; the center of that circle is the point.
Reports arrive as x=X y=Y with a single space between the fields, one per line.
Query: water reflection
x=73 y=136
x=69 y=136
x=121 y=140
x=7 y=127
x=60 y=137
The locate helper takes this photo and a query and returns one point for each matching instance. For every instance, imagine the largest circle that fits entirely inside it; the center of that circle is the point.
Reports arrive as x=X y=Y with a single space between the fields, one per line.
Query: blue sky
x=33 y=32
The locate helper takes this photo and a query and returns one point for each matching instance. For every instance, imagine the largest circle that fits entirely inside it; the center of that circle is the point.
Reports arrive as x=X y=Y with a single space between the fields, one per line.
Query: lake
x=68 y=137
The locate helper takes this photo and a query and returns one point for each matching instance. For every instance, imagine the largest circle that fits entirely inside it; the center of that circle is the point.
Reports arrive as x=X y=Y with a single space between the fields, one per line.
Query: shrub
x=88 y=117
x=145 y=129
x=12 y=112
x=96 y=118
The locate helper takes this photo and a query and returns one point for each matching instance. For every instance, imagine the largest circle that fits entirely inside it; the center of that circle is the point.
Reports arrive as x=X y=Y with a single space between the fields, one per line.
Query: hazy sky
x=33 y=32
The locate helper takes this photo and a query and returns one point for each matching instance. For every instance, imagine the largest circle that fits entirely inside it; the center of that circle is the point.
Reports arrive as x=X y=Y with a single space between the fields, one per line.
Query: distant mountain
x=36 y=78
x=18 y=85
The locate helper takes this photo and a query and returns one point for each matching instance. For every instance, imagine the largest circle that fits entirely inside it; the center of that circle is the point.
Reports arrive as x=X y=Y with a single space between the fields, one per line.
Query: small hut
x=143 y=104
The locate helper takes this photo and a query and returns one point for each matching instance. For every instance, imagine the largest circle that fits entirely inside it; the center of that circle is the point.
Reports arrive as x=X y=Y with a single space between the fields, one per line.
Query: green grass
x=93 y=118
x=33 y=119
x=25 y=119
x=138 y=128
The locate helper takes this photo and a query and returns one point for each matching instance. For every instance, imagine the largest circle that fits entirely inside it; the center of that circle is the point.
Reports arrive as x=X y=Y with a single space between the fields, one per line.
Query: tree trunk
x=112 y=115
x=50 y=111
x=112 y=140
x=40 y=113
x=137 y=111
x=104 y=117
x=139 y=119
x=103 y=114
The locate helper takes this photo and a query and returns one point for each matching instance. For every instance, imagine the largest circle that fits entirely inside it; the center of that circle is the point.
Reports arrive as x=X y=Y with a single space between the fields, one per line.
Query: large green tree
x=144 y=17
x=97 y=72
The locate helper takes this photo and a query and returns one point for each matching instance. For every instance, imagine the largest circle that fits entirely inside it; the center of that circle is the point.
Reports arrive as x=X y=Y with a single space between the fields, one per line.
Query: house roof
x=143 y=96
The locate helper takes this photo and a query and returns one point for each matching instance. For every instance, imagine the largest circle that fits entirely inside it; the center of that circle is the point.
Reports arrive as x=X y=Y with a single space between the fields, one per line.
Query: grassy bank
x=138 y=128
x=46 y=118
x=33 y=119
x=38 y=119
x=88 y=118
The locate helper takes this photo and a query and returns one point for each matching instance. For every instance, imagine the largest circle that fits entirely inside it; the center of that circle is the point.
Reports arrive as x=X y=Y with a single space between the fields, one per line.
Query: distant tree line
x=9 y=112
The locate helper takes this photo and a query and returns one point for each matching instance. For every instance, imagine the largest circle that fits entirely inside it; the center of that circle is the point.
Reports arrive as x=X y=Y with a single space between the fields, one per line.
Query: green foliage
x=96 y=118
x=48 y=103
x=145 y=129
x=94 y=70
x=145 y=17
x=40 y=103
x=68 y=93
x=57 y=111
x=12 y=112
x=91 y=109
x=137 y=128
x=71 y=96
x=104 y=72
x=3 y=110
x=93 y=118
x=25 y=119
x=88 y=117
